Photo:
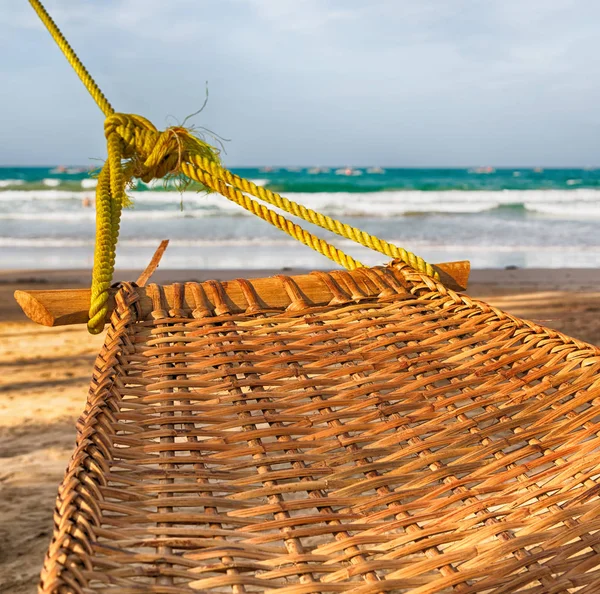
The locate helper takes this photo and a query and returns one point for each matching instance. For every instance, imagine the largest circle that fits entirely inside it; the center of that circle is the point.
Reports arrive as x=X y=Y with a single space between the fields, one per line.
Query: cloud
x=300 y=16
x=398 y=81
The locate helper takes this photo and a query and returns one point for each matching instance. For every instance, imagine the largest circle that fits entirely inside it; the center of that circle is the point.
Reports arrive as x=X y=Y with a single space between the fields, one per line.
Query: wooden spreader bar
x=70 y=306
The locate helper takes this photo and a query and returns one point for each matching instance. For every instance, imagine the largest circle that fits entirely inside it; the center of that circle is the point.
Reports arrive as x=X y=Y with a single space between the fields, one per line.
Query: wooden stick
x=158 y=254
x=71 y=306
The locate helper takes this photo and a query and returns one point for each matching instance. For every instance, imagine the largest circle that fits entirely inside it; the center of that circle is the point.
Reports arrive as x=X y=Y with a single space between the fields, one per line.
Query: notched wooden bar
x=70 y=306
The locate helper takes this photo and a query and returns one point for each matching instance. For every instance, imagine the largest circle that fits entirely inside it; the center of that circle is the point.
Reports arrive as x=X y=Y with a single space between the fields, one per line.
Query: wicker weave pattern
x=415 y=442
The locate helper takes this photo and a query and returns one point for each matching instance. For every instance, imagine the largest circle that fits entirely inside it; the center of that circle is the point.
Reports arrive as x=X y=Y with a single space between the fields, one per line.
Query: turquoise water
x=342 y=179
x=519 y=217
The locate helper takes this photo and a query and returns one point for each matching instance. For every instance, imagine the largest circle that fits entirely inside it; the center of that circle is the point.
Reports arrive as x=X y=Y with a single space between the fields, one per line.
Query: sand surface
x=44 y=374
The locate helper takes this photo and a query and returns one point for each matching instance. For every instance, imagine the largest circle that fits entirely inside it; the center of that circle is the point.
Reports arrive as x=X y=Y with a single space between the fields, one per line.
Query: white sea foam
x=258 y=242
x=53 y=242
x=393 y=203
x=50 y=182
x=34 y=195
x=149 y=197
x=89 y=183
x=5 y=183
x=43 y=242
x=67 y=217
x=90 y=215
x=502 y=196
x=382 y=204
x=571 y=210
x=159 y=204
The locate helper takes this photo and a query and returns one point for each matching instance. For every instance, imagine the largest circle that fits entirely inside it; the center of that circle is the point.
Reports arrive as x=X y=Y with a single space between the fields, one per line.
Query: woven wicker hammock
x=385 y=435
x=368 y=431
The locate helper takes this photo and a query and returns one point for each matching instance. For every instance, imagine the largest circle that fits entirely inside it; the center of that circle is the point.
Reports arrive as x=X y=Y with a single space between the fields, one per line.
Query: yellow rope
x=277 y=220
x=136 y=149
x=317 y=218
x=67 y=50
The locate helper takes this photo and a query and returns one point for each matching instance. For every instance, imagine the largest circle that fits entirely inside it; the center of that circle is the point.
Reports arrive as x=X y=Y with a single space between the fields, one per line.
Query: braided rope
x=136 y=149
x=77 y=65
x=292 y=229
x=319 y=219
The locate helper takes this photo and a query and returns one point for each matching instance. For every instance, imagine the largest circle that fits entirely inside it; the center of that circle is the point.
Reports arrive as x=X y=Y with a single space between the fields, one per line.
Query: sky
x=407 y=83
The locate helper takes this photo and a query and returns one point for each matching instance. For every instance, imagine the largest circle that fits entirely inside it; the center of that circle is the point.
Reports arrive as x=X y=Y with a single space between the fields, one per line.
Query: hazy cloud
x=391 y=82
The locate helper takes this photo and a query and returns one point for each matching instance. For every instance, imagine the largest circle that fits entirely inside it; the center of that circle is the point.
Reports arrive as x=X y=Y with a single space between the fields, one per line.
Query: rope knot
x=136 y=149
x=152 y=154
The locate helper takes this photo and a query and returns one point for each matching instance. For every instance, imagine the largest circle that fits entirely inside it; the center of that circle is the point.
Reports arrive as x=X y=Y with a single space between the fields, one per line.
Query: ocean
x=529 y=218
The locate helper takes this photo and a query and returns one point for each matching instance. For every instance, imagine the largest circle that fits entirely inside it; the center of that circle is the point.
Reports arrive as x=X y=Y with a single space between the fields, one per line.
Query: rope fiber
x=136 y=149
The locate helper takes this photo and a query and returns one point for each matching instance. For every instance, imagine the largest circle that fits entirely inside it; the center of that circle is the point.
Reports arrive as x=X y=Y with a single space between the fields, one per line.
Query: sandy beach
x=45 y=372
